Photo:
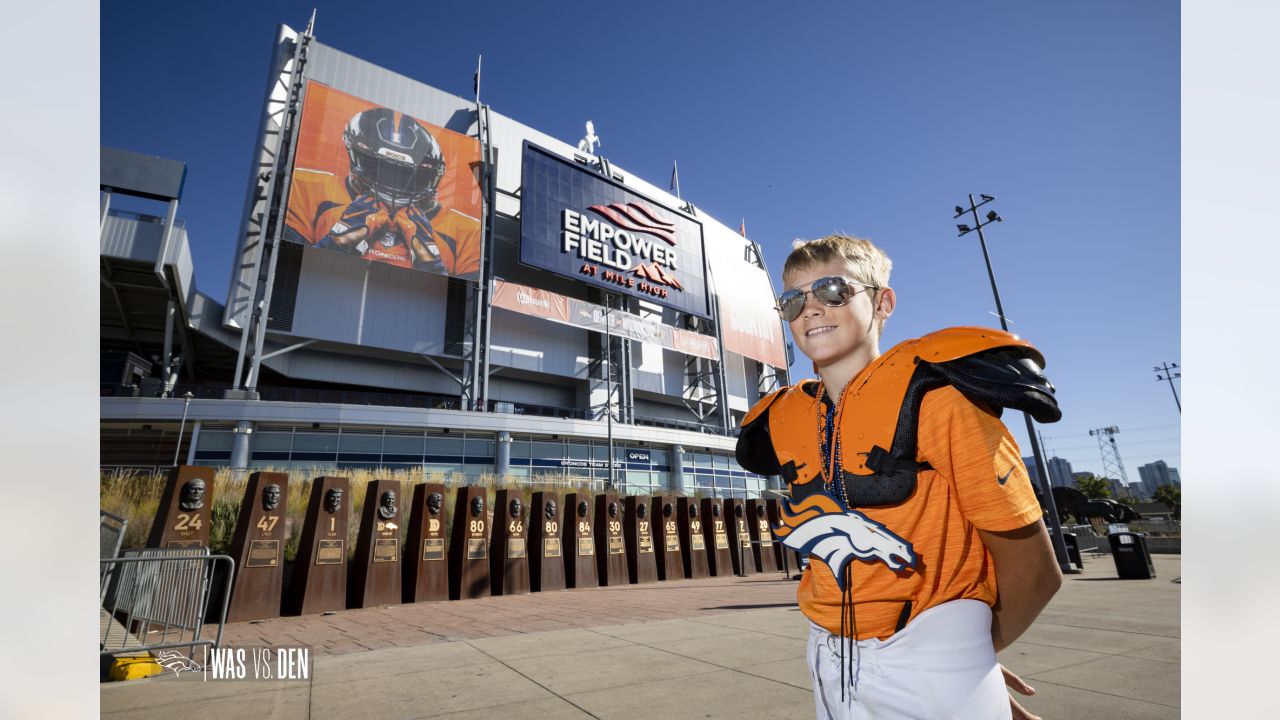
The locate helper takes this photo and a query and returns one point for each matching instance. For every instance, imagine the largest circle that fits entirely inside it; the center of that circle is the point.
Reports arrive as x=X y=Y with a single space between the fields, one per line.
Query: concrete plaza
x=714 y=648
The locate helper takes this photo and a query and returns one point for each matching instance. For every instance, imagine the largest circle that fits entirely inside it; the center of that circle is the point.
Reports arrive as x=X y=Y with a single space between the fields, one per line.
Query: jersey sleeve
x=460 y=253
x=973 y=449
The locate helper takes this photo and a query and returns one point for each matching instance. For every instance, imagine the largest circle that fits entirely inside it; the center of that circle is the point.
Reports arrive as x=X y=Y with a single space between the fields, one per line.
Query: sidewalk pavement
x=714 y=648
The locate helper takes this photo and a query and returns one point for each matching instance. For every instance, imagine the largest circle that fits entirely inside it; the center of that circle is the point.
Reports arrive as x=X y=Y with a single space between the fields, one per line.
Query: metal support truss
x=768 y=378
x=1112 y=465
x=249 y=298
x=474 y=392
x=704 y=383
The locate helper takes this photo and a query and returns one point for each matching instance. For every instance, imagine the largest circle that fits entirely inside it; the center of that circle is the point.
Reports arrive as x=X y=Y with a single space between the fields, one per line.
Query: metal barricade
x=156 y=598
x=110 y=534
x=1089 y=540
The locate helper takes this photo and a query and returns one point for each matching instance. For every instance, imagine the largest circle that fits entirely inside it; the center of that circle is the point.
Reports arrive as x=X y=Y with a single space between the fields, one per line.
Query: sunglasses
x=831 y=291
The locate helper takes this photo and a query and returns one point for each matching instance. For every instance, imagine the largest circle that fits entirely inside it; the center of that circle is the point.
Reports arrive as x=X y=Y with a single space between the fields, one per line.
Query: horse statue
x=1071 y=501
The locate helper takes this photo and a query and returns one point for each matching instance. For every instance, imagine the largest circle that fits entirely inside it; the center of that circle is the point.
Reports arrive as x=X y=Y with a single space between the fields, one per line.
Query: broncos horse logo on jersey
x=818 y=526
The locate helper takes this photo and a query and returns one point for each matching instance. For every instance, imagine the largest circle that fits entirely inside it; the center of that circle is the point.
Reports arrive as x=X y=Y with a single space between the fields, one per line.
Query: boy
x=900 y=463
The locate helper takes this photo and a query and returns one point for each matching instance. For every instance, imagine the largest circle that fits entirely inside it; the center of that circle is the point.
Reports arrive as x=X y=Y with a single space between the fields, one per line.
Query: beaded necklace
x=832 y=474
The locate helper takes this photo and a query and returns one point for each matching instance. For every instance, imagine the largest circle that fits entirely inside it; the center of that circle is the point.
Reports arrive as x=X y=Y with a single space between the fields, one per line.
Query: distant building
x=1030 y=462
x=1136 y=490
x=1156 y=474
x=1075 y=476
x=1060 y=472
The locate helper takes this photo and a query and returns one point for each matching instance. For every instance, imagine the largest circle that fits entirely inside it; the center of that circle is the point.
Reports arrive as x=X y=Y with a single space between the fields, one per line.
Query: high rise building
x=1030 y=462
x=1157 y=473
x=1060 y=472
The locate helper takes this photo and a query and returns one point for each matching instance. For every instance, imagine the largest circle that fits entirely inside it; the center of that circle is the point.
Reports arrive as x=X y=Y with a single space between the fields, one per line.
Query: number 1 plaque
x=320 y=573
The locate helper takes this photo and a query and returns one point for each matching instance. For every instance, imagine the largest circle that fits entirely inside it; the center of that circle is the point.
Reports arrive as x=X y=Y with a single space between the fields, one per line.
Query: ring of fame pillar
x=666 y=538
x=320 y=572
x=546 y=556
x=611 y=548
x=637 y=526
x=762 y=551
x=693 y=542
x=182 y=519
x=469 y=545
x=735 y=515
x=375 y=571
x=716 y=530
x=509 y=556
x=426 y=567
x=258 y=548
x=771 y=510
x=579 y=542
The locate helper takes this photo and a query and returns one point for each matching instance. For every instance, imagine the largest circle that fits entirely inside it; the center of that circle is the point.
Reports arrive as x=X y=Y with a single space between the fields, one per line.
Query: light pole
x=1046 y=487
x=608 y=363
x=186 y=404
x=1170 y=371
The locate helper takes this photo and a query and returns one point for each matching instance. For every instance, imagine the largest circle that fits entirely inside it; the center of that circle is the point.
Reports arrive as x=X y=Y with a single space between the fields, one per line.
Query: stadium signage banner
x=375 y=183
x=589 y=316
x=579 y=224
x=750 y=324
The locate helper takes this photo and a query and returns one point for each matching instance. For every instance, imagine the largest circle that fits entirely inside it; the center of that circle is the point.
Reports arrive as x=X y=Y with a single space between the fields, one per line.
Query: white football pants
x=941 y=665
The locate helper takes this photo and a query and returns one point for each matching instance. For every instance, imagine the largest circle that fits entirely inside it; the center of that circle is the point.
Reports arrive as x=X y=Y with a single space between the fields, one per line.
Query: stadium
x=421 y=282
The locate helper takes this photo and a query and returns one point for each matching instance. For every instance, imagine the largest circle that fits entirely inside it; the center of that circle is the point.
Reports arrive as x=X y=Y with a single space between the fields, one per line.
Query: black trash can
x=1073 y=549
x=1133 y=560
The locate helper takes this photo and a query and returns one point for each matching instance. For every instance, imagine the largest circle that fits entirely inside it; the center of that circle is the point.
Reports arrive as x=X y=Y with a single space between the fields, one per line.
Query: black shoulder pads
x=1004 y=377
x=754 y=450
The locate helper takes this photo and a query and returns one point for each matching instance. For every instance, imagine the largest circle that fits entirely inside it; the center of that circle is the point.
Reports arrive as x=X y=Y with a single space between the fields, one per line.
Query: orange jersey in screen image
x=384 y=186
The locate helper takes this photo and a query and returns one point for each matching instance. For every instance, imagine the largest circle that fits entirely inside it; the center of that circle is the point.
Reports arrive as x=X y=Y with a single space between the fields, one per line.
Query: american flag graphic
x=638 y=218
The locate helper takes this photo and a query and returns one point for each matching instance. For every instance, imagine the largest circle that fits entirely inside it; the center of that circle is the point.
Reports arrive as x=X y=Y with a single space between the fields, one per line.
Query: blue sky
x=868 y=118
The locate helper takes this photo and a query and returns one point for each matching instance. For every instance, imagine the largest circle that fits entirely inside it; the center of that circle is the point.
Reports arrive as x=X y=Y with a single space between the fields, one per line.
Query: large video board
x=375 y=183
x=577 y=223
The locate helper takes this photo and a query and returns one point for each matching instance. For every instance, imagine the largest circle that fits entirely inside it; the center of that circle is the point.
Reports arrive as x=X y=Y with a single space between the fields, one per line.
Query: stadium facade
x=423 y=282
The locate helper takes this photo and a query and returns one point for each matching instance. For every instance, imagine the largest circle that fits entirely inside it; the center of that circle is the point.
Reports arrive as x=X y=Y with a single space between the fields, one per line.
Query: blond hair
x=869 y=263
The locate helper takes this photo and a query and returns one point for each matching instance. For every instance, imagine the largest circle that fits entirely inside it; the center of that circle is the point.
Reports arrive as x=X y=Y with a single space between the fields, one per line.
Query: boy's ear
x=885 y=303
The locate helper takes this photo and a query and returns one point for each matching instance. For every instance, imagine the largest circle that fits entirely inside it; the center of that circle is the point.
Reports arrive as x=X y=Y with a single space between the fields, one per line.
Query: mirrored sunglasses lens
x=790 y=304
x=832 y=291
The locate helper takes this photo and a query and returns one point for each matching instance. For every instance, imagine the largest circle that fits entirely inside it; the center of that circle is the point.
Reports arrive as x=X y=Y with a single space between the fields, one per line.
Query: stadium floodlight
x=1167 y=374
x=1055 y=527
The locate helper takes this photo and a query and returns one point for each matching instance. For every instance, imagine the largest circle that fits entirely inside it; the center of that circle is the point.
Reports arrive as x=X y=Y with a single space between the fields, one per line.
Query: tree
x=1171 y=497
x=1127 y=500
x=1093 y=487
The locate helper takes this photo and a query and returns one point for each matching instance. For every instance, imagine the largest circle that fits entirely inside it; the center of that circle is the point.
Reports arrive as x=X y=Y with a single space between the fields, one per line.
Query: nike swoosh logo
x=1002 y=479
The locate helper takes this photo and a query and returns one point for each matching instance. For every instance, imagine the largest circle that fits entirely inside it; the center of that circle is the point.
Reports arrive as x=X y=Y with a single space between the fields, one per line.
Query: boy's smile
x=841 y=340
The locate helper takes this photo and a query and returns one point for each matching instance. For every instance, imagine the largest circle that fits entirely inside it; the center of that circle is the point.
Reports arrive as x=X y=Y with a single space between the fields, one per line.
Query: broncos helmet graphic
x=394 y=158
x=818 y=526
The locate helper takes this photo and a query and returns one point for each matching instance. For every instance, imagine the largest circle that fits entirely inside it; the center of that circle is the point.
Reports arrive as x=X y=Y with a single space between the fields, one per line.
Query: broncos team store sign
x=577 y=223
